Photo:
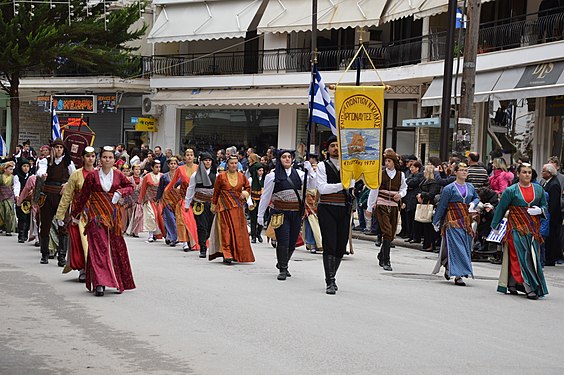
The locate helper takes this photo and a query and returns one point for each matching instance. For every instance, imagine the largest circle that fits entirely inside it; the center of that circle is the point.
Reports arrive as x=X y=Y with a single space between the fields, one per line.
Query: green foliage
x=42 y=40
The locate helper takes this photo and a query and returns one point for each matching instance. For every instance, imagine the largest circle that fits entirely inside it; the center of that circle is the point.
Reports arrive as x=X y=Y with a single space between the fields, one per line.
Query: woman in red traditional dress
x=230 y=193
x=148 y=197
x=108 y=261
x=186 y=228
x=135 y=209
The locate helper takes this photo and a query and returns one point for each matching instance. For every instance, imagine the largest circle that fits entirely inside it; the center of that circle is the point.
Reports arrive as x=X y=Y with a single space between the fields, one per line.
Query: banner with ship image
x=360 y=117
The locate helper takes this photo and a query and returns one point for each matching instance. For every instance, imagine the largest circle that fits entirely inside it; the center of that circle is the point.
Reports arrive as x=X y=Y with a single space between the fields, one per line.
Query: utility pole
x=447 y=81
x=467 y=87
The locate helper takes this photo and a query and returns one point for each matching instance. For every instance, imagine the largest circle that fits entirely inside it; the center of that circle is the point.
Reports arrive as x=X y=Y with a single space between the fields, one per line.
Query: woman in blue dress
x=453 y=218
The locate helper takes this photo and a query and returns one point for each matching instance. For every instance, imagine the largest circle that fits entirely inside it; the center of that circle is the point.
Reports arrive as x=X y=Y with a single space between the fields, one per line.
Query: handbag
x=424 y=213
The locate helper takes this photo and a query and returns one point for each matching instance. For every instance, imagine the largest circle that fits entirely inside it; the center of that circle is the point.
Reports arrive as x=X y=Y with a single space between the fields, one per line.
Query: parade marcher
x=54 y=171
x=108 y=261
x=135 y=208
x=334 y=213
x=9 y=190
x=521 y=268
x=167 y=206
x=199 y=197
x=283 y=193
x=23 y=215
x=148 y=196
x=186 y=227
x=256 y=180
x=385 y=201
x=453 y=217
x=25 y=199
x=312 y=232
x=78 y=241
x=230 y=193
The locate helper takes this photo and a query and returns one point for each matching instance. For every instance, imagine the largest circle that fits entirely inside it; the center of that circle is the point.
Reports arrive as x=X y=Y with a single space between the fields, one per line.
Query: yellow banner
x=360 y=119
x=146 y=124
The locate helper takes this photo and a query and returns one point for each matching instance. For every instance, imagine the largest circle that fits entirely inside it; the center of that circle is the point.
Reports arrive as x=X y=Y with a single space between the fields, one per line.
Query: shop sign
x=106 y=103
x=555 y=105
x=43 y=103
x=74 y=103
x=541 y=74
x=360 y=115
x=146 y=124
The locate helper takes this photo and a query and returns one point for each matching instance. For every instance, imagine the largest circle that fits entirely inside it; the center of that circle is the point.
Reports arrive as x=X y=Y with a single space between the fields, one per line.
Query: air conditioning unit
x=148 y=107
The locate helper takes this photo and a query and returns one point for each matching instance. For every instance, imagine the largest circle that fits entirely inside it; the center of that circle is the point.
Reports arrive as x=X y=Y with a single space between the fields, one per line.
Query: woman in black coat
x=429 y=189
x=410 y=199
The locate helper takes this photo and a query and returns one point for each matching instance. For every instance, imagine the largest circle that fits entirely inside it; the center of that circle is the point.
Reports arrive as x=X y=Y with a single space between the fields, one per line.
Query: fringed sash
x=171 y=198
x=520 y=220
x=457 y=216
x=101 y=210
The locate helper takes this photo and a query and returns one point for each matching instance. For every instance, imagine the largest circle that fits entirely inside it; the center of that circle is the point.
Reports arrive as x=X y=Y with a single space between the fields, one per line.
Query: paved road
x=190 y=316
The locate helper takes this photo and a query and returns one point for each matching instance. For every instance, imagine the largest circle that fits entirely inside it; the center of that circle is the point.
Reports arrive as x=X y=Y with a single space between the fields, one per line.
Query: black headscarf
x=279 y=171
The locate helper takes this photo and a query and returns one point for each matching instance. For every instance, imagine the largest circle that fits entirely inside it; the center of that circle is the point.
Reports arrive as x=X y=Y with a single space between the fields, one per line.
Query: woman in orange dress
x=186 y=228
x=230 y=193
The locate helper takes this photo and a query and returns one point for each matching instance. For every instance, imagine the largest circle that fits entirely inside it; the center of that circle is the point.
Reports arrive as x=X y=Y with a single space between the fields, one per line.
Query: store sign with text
x=74 y=103
x=146 y=124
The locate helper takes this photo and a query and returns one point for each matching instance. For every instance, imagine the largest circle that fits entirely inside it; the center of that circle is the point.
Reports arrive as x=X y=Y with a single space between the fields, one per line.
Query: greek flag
x=55 y=128
x=3 y=148
x=323 y=108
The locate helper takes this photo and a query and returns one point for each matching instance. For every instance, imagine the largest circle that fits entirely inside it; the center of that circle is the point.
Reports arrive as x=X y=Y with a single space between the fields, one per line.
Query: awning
x=484 y=85
x=242 y=97
x=428 y=8
x=201 y=20
x=295 y=15
x=533 y=81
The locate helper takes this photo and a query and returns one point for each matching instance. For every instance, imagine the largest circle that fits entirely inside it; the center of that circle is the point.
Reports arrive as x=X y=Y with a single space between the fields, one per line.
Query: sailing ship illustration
x=357 y=144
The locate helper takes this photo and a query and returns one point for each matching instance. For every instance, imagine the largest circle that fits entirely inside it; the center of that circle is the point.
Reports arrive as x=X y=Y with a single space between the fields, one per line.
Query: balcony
x=502 y=34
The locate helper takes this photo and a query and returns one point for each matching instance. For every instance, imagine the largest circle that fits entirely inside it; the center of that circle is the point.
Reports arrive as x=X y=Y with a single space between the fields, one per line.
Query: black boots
x=283 y=255
x=62 y=251
x=378 y=242
x=44 y=243
x=384 y=256
x=203 y=250
x=258 y=233
x=330 y=266
x=23 y=229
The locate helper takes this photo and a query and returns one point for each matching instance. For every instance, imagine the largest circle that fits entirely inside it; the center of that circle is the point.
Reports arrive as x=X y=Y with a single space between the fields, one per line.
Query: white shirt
x=106 y=180
x=322 y=185
x=269 y=188
x=373 y=196
x=17 y=186
x=42 y=165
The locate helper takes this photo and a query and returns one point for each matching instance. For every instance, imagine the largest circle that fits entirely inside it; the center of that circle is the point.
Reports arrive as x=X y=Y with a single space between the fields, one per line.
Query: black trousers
x=334 y=222
x=203 y=224
x=287 y=234
x=47 y=212
x=253 y=215
x=24 y=220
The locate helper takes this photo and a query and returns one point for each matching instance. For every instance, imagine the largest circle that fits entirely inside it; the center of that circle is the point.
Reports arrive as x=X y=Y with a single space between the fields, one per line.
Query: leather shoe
x=228 y=260
x=100 y=290
x=44 y=260
x=387 y=267
x=253 y=240
x=259 y=238
x=282 y=275
x=331 y=289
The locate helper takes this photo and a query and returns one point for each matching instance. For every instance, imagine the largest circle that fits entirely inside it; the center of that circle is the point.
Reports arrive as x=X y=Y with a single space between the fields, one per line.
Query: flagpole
x=311 y=91
x=51 y=117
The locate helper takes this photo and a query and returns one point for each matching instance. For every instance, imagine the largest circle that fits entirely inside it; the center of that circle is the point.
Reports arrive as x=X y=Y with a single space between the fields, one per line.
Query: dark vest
x=284 y=185
x=57 y=174
x=332 y=177
x=212 y=180
x=391 y=184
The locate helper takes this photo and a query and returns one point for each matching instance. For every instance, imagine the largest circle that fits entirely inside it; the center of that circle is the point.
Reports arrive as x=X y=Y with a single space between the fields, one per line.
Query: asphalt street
x=192 y=316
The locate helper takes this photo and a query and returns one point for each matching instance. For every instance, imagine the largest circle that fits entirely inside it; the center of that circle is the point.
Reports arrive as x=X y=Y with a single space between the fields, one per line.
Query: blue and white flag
x=323 y=108
x=493 y=237
x=55 y=128
x=3 y=147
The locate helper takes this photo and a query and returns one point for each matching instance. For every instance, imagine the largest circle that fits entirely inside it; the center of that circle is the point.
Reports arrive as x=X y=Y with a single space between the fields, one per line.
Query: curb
x=398 y=241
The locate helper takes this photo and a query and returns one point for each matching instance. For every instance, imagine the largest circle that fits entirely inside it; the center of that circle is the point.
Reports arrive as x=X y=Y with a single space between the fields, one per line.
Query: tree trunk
x=15 y=111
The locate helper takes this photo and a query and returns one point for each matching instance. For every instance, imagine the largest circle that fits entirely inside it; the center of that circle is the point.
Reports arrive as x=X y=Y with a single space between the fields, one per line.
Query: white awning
x=428 y=8
x=484 y=85
x=201 y=20
x=396 y=9
x=242 y=97
x=295 y=15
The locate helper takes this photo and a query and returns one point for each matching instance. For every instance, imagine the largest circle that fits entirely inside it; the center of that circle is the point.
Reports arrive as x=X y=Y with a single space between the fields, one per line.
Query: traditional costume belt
x=386 y=198
x=53 y=189
x=520 y=220
x=286 y=205
x=100 y=210
x=198 y=196
x=255 y=194
x=333 y=198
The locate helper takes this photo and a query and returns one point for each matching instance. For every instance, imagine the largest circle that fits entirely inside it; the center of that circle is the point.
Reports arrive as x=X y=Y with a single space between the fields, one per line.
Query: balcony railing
x=493 y=36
